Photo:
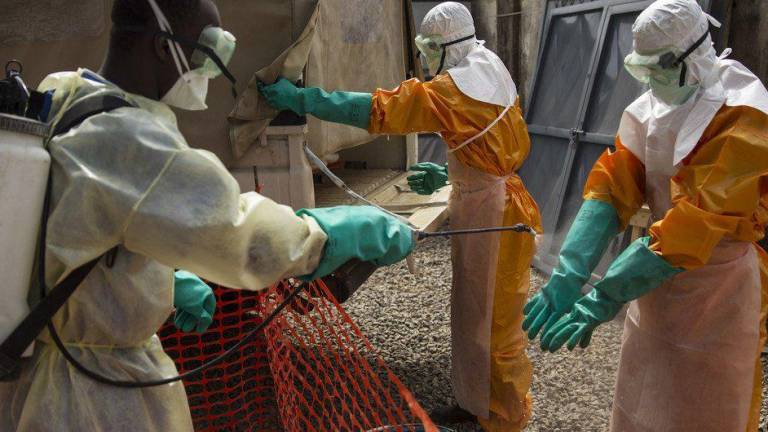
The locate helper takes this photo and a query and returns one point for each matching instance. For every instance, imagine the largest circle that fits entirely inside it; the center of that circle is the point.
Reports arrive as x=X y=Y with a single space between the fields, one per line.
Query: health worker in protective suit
x=695 y=149
x=472 y=102
x=127 y=179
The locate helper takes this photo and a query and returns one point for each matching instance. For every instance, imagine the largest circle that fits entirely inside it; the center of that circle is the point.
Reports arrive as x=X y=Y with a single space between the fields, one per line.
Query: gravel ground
x=407 y=319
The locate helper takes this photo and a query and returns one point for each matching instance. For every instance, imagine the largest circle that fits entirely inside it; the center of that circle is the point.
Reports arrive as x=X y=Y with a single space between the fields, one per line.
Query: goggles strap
x=447 y=44
x=683 y=56
x=683 y=72
x=690 y=50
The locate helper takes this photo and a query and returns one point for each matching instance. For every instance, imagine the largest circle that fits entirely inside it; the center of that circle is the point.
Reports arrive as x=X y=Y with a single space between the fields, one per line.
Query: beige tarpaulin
x=50 y=36
x=358 y=46
x=360 y=49
x=354 y=45
x=252 y=114
x=264 y=29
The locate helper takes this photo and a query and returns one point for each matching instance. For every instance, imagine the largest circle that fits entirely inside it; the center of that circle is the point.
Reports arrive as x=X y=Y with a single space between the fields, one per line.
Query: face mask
x=189 y=92
x=665 y=86
x=212 y=52
x=430 y=48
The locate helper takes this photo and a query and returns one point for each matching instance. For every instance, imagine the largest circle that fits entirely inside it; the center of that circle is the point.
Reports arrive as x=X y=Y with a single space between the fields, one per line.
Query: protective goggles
x=663 y=67
x=212 y=51
x=433 y=46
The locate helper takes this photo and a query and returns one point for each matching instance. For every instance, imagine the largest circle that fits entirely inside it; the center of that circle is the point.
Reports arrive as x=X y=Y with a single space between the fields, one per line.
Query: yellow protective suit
x=498 y=264
x=719 y=198
x=127 y=178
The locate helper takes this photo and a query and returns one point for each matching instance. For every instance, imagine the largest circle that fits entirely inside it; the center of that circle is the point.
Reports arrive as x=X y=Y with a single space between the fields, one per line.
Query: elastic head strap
x=669 y=61
x=690 y=50
x=447 y=44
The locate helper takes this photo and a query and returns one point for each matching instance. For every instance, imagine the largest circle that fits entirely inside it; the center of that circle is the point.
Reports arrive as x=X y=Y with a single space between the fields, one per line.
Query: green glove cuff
x=596 y=224
x=635 y=272
x=350 y=108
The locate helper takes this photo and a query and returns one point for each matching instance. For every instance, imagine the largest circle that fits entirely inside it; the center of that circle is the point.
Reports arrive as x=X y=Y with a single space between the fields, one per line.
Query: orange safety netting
x=311 y=370
x=235 y=395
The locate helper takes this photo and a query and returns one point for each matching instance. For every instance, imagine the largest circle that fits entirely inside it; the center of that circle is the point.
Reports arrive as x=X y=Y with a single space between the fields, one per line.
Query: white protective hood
x=476 y=70
x=735 y=86
x=482 y=76
x=679 y=24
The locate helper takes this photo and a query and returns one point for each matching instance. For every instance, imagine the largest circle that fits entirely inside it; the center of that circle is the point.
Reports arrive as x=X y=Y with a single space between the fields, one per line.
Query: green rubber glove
x=349 y=108
x=359 y=232
x=634 y=273
x=596 y=224
x=429 y=177
x=194 y=302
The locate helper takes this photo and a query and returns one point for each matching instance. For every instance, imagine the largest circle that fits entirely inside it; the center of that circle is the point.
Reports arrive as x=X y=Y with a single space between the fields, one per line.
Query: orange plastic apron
x=477 y=201
x=688 y=354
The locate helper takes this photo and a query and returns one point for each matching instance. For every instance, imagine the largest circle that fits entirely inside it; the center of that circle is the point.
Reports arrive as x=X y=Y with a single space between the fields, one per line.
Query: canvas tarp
x=360 y=48
x=357 y=50
x=49 y=36
x=252 y=114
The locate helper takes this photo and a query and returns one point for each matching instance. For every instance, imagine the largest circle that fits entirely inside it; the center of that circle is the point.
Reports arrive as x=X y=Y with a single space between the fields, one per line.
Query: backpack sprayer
x=24 y=166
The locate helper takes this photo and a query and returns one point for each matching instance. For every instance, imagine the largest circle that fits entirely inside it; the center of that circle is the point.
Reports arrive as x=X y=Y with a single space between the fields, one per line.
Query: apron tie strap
x=484 y=131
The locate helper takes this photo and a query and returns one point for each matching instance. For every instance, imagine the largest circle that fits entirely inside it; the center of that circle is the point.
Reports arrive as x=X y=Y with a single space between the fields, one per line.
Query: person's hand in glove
x=429 y=177
x=283 y=95
x=359 y=232
x=194 y=301
x=634 y=273
x=592 y=231
x=350 y=108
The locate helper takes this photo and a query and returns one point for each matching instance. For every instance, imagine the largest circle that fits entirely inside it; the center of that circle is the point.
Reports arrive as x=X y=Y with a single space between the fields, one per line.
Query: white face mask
x=189 y=92
x=213 y=51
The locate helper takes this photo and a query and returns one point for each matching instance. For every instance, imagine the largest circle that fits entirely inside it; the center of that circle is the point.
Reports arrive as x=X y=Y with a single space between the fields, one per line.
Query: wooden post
x=484 y=13
x=508 y=36
x=748 y=35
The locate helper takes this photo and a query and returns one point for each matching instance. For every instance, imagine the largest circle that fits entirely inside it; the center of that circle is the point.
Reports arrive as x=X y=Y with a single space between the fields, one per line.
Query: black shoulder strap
x=88 y=107
x=27 y=331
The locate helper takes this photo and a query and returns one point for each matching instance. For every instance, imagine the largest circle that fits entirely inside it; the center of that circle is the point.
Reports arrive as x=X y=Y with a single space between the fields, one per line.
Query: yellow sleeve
x=414 y=106
x=618 y=178
x=720 y=192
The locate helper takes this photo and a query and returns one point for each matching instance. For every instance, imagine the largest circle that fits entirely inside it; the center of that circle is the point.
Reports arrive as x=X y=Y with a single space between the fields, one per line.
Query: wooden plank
x=390 y=190
x=748 y=35
x=430 y=219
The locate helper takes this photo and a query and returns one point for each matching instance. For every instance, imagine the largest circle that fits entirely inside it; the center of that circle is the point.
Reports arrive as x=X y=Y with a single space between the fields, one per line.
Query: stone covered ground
x=407 y=320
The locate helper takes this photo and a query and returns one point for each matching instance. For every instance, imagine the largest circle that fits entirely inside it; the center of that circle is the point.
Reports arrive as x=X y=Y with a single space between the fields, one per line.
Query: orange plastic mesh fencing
x=312 y=365
x=235 y=395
